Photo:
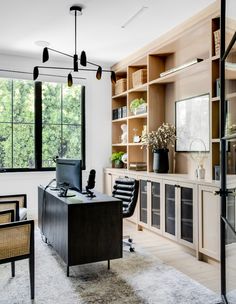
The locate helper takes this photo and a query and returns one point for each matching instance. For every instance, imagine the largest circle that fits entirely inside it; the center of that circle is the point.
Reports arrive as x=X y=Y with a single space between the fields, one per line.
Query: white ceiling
x=99 y=28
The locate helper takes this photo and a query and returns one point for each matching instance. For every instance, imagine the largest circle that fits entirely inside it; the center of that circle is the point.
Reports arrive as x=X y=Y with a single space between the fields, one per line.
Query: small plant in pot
x=159 y=141
x=116 y=158
x=138 y=106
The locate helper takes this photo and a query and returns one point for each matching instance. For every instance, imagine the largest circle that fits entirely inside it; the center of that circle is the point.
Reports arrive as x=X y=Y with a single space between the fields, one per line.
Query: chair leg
x=129 y=243
x=32 y=276
x=13 y=269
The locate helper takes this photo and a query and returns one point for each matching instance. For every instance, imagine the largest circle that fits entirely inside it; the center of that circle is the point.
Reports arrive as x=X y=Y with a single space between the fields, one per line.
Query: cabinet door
x=155 y=205
x=143 y=202
x=108 y=183
x=186 y=214
x=209 y=222
x=170 y=209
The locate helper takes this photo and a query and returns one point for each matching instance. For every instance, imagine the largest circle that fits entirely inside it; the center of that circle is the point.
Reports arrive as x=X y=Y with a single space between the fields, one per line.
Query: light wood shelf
x=216 y=57
x=141 y=88
x=123 y=94
x=119 y=145
x=199 y=67
x=216 y=98
x=215 y=140
x=134 y=144
x=119 y=120
x=161 y=93
x=231 y=96
x=144 y=115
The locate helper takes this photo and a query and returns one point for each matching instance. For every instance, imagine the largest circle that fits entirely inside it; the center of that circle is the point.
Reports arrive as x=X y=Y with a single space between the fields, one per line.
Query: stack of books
x=138 y=166
x=119 y=113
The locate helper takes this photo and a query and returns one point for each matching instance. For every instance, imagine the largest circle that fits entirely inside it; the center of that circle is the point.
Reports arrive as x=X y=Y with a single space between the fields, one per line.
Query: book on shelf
x=180 y=67
x=138 y=166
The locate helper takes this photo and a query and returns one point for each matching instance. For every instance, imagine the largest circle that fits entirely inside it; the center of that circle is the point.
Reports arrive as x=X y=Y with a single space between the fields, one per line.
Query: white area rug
x=137 y=278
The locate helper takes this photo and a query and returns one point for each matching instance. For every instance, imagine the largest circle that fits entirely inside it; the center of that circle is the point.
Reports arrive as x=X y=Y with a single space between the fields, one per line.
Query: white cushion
x=23 y=213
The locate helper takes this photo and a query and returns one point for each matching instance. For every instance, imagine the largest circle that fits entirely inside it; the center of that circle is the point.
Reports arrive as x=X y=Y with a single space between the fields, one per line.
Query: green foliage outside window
x=61 y=123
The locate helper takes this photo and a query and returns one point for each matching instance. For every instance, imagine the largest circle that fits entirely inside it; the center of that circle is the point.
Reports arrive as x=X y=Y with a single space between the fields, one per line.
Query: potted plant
x=116 y=158
x=159 y=141
x=138 y=106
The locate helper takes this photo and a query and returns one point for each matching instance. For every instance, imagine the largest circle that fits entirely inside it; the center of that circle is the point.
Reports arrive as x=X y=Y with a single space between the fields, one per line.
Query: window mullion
x=61 y=149
x=12 y=109
x=38 y=124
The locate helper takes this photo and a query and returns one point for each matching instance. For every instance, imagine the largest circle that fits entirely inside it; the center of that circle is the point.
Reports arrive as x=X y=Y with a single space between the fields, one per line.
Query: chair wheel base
x=131 y=249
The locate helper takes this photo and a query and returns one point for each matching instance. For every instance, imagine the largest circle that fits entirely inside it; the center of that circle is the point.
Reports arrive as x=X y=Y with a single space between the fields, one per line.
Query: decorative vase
x=160 y=161
x=201 y=172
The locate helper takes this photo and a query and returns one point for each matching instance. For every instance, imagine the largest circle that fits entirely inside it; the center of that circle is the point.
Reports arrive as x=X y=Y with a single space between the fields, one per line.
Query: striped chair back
x=126 y=189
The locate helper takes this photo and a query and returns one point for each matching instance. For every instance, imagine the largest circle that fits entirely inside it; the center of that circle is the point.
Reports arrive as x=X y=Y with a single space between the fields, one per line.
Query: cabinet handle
x=109 y=173
x=126 y=176
x=177 y=186
x=224 y=193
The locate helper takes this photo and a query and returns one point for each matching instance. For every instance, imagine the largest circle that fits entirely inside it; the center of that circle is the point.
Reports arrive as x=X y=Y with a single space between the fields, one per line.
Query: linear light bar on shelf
x=180 y=67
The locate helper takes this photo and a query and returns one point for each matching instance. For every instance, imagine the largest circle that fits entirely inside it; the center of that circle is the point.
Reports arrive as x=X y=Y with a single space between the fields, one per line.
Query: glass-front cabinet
x=143 y=201
x=186 y=214
x=180 y=205
x=150 y=210
x=156 y=205
x=170 y=209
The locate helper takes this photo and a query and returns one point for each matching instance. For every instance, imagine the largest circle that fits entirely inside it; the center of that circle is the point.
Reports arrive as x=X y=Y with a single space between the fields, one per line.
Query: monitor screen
x=69 y=171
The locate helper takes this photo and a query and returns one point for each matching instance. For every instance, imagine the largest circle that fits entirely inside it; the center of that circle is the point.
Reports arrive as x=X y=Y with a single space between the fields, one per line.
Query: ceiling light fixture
x=134 y=16
x=75 y=10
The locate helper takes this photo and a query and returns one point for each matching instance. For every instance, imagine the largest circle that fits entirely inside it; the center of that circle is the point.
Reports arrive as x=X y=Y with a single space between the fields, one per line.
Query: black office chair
x=126 y=189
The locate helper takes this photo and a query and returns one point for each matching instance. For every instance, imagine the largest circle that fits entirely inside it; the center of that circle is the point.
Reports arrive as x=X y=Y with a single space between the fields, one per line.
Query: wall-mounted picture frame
x=192 y=122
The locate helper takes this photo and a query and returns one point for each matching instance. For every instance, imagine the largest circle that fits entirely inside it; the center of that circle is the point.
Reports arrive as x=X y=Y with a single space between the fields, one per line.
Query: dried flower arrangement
x=160 y=139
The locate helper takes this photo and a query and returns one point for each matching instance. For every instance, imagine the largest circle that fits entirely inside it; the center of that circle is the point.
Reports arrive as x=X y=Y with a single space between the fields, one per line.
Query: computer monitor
x=69 y=171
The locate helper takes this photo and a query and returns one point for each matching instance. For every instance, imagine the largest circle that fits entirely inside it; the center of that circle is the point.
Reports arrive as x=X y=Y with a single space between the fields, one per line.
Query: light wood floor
x=175 y=256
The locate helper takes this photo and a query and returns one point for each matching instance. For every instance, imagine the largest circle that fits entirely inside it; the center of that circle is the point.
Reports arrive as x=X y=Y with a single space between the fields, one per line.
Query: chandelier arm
x=92 y=63
x=71 y=69
x=53 y=68
x=60 y=76
x=60 y=52
x=30 y=73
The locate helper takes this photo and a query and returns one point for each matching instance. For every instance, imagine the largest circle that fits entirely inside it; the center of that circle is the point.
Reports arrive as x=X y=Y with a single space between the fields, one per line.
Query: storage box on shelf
x=139 y=77
x=217 y=42
x=120 y=86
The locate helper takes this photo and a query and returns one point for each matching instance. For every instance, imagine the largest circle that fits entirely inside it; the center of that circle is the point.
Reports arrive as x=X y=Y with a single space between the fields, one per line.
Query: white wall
x=98 y=132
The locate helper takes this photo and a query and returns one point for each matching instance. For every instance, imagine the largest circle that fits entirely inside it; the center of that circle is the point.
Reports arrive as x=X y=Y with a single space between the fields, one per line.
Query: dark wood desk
x=80 y=229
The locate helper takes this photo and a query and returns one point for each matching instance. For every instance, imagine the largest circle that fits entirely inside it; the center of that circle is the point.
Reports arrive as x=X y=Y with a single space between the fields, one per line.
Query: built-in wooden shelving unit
x=193 y=40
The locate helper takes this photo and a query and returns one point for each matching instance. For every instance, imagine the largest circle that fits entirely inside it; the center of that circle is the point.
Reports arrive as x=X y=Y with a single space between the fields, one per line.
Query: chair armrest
x=6 y=216
x=13 y=205
x=22 y=198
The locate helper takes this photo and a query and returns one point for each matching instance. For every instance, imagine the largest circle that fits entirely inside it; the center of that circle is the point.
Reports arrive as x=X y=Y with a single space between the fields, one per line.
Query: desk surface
x=80 y=198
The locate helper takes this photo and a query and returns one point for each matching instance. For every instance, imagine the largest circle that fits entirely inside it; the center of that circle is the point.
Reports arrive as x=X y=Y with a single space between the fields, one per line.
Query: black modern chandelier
x=75 y=10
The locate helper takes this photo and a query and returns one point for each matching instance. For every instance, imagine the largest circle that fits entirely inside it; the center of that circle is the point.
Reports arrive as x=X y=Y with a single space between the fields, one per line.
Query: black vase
x=160 y=161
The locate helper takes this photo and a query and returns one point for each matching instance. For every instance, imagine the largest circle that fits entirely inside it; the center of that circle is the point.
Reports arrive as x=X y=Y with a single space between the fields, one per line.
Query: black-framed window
x=39 y=121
